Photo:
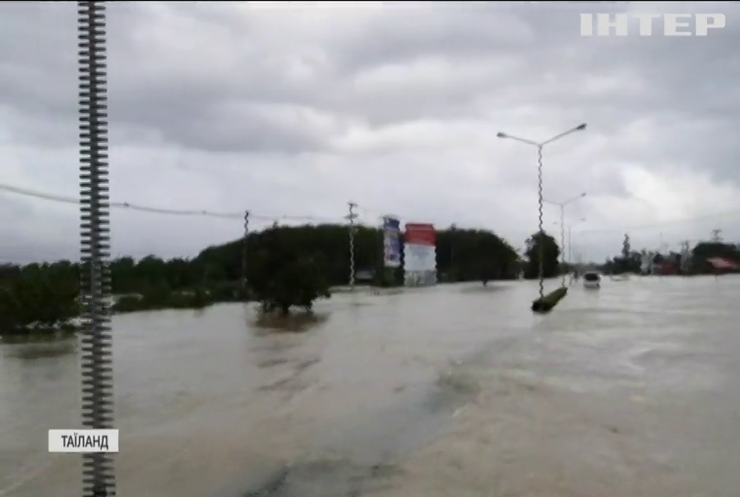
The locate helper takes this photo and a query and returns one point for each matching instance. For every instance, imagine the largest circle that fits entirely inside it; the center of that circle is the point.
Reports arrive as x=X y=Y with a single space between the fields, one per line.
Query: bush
x=228 y=291
x=195 y=299
x=159 y=298
x=128 y=303
x=38 y=301
x=283 y=277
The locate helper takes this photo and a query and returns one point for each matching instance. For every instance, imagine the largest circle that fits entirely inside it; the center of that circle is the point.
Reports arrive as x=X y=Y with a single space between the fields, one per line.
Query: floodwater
x=629 y=391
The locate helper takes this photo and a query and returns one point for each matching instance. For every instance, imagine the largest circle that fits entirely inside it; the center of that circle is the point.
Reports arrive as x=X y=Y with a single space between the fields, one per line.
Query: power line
x=159 y=210
x=306 y=218
x=182 y=212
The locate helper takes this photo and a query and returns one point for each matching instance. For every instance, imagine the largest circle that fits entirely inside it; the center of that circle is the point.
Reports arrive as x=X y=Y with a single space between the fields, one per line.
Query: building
x=721 y=265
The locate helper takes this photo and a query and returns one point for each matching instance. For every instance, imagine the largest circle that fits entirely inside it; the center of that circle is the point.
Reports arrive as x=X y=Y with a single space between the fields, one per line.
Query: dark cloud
x=296 y=110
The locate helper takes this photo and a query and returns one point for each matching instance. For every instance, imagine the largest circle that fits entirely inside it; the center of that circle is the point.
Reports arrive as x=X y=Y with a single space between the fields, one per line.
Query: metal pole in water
x=244 y=251
x=562 y=244
x=536 y=305
x=351 y=217
x=98 y=473
x=571 y=264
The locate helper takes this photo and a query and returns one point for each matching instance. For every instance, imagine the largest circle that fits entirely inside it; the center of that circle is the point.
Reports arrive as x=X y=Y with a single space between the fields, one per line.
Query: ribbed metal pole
x=244 y=251
x=351 y=217
x=562 y=245
x=541 y=248
x=98 y=475
x=570 y=244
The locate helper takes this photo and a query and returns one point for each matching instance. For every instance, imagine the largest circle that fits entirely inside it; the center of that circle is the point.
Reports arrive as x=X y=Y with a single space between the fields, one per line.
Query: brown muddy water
x=457 y=390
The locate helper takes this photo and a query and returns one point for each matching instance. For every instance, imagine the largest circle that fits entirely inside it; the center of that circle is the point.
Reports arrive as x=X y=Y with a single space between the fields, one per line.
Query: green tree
x=282 y=276
x=474 y=255
x=536 y=243
x=318 y=256
x=45 y=296
x=707 y=250
x=624 y=263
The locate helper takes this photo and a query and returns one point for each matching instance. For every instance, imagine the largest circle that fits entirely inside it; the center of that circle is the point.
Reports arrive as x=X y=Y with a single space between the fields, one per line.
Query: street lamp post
x=570 y=237
x=540 y=146
x=562 y=206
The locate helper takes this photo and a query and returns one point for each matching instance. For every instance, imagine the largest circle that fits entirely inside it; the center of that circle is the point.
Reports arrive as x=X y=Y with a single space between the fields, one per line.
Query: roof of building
x=720 y=263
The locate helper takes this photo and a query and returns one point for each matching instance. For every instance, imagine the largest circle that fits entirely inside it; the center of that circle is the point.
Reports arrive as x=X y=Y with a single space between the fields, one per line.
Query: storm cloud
x=291 y=111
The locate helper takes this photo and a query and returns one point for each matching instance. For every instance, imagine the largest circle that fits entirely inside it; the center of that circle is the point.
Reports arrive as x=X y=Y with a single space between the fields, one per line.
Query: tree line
x=630 y=261
x=285 y=267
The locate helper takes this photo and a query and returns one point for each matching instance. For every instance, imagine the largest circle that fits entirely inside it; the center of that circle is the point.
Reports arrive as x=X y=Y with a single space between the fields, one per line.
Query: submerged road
x=457 y=390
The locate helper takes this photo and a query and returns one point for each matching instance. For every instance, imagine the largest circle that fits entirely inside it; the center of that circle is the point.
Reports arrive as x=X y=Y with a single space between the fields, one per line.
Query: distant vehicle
x=592 y=280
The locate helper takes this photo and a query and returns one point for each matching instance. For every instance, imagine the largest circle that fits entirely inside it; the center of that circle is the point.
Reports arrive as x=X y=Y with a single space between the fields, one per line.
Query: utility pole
x=452 y=271
x=716 y=238
x=562 y=244
x=562 y=206
x=570 y=245
x=244 y=252
x=570 y=239
x=685 y=255
x=382 y=279
x=351 y=217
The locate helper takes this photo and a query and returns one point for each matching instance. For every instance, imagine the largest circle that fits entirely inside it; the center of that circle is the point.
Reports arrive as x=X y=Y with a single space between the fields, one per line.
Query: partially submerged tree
x=216 y=274
x=551 y=252
x=39 y=298
x=283 y=277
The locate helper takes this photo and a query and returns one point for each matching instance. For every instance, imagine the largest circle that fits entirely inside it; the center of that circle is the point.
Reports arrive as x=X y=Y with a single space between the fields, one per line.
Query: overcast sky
x=294 y=111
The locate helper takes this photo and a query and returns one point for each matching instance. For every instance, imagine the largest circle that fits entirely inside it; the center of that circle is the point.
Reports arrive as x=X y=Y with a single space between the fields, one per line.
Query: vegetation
x=630 y=261
x=546 y=244
x=37 y=297
x=707 y=250
x=286 y=267
x=283 y=276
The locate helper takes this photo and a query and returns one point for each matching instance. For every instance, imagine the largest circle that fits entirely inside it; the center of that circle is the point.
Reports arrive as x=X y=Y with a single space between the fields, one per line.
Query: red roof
x=720 y=263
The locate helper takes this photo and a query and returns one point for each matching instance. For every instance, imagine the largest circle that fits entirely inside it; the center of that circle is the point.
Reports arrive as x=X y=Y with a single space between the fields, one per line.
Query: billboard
x=391 y=242
x=420 y=254
x=420 y=234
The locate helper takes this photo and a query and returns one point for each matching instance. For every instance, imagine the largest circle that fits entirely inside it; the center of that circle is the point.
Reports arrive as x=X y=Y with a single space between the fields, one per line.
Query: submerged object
x=592 y=281
x=546 y=303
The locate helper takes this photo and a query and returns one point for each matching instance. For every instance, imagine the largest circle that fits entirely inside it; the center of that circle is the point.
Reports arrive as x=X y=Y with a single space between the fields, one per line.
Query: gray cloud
x=294 y=111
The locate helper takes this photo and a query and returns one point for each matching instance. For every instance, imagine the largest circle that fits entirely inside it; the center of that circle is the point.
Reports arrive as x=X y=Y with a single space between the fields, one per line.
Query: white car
x=592 y=280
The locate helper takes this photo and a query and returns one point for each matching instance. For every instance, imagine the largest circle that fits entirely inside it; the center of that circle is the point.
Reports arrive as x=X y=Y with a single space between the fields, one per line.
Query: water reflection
x=39 y=348
x=296 y=322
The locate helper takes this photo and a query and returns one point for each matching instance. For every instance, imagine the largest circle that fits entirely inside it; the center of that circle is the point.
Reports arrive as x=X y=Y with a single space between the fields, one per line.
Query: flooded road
x=455 y=390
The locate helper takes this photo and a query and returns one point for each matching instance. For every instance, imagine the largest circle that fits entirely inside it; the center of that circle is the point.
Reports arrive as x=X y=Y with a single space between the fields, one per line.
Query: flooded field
x=457 y=390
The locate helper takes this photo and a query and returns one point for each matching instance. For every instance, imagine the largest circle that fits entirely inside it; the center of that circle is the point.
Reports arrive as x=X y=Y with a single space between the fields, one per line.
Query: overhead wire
x=160 y=210
x=27 y=192
x=53 y=197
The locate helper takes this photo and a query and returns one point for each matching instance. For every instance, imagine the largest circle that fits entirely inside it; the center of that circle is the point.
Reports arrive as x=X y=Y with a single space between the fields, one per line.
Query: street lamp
x=570 y=236
x=562 y=206
x=570 y=239
x=540 y=146
x=580 y=127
